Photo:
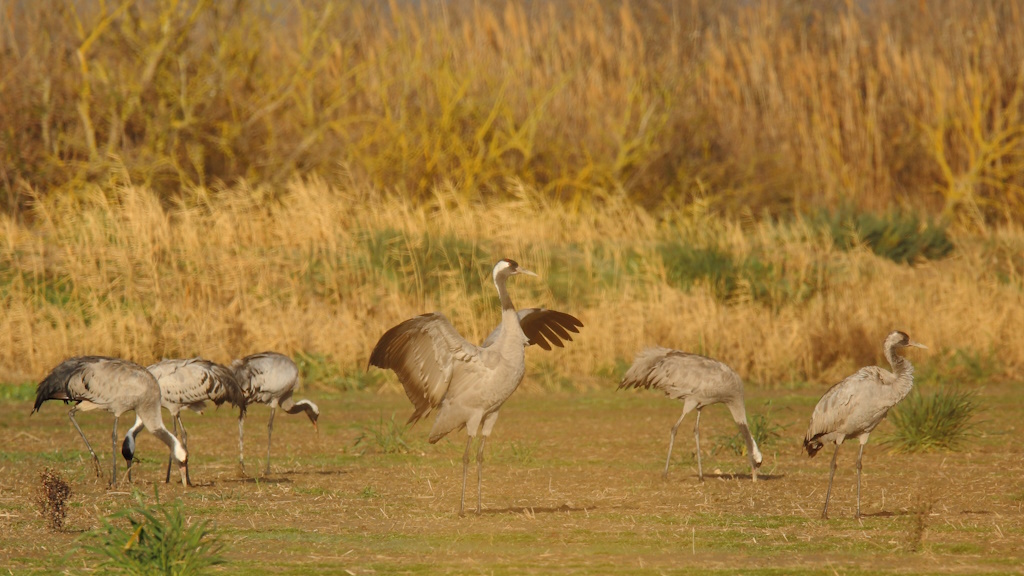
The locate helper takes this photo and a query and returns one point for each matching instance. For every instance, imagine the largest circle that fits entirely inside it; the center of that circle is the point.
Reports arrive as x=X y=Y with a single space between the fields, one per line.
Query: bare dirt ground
x=572 y=484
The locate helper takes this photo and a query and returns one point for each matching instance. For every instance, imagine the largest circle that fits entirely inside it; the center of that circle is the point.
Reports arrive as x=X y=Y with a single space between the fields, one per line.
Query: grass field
x=572 y=485
x=773 y=184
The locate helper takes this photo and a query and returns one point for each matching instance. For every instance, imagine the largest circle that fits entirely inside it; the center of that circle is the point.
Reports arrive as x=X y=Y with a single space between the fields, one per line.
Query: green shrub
x=899 y=236
x=155 y=539
x=386 y=436
x=318 y=369
x=938 y=421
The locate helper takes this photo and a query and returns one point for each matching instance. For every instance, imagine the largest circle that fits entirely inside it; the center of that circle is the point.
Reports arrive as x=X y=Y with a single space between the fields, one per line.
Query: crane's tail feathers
x=55 y=385
x=812 y=445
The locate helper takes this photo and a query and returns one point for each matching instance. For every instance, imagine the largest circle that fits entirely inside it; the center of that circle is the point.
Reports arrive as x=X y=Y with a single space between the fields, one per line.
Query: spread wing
x=542 y=327
x=424 y=352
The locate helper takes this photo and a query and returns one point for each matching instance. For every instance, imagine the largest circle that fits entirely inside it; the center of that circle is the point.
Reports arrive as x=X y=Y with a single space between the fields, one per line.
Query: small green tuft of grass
x=155 y=539
x=764 y=430
x=385 y=437
x=938 y=421
x=18 y=392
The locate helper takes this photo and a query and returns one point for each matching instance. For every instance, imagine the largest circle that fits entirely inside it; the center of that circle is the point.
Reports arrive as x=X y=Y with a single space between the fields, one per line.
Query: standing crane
x=270 y=378
x=465 y=383
x=189 y=384
x=698 y=381
x=114 y=385
x=856 y=405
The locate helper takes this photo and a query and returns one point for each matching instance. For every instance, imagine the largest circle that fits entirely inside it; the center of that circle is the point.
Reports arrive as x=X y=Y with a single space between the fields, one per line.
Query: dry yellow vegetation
x=322 y=270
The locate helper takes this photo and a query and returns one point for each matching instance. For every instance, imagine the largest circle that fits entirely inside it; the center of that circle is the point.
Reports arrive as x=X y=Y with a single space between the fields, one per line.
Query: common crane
x=270 y=378
x=698 y=381
x=189 y=384
x=114 y=385
x=856 y=405
x=465 y=383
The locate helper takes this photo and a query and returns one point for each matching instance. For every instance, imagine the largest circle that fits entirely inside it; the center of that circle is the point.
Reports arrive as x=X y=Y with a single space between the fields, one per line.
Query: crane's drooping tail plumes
x=114 y=385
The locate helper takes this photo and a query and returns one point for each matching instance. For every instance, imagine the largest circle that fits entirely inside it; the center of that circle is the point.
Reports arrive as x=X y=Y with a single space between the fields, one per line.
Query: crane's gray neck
x=506 y=302
x=902 y=369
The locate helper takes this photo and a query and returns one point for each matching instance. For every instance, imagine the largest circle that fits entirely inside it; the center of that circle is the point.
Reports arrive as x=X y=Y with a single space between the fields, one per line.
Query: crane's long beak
x=527 y=272
x=183 y=470
x=917 y=345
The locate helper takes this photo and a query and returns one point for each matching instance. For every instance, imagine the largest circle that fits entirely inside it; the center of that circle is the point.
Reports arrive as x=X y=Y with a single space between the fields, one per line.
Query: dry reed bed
x=751 y=106
x=236 y=272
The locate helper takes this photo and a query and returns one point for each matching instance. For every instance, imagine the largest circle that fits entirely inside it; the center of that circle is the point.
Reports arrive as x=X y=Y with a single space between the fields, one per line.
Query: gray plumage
x=855 y=406
x=467 y=384
x=114 y=385
x=191 y=384
x=698 y=381
x=270 y=378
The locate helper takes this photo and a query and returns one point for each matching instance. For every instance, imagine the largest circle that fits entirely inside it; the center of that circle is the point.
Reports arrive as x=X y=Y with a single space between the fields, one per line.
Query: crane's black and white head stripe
x=507 y=267
x=900 y=339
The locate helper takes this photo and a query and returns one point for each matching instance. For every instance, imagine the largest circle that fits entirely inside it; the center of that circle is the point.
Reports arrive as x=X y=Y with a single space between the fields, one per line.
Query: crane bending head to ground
x=114 y=385
x=853 y=407
x=187 y=384
x=271 y=378
x=467 y=384
x=698 y=381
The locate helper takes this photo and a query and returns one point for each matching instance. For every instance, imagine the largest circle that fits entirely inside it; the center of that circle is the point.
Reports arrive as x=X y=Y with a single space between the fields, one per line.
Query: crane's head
x=897 y=339
x=505 y=268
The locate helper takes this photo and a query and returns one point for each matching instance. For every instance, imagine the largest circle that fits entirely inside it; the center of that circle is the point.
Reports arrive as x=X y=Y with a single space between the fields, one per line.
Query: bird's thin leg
x=241 y=460
x=270 y=435
x=170 y=457
x=672 y=441
x=479 y=471
x=113 y=440
x=465 y=469
x=696 y=437
x=831 y=475
x=95 y=459
x=184 y=444
x=859 y=455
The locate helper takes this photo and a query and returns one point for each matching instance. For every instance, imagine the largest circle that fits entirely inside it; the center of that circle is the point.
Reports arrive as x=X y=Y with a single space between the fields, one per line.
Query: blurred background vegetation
x=753 y=108
x=776 y=183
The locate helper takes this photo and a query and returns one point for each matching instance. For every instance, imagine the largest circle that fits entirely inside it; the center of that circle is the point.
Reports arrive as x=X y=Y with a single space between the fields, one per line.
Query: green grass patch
x=900 y=236
x=384 y=436
x=155 y=539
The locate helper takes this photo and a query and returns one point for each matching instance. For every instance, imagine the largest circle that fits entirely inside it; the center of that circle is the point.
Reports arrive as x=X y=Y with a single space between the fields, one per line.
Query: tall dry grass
x=321 y=270
x=749 y=106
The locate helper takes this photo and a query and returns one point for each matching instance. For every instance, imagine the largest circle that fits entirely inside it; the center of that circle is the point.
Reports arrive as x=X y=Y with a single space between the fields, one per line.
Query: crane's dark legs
x=672 y=441
x=270 y=436
x=170 y=457
x=831 y=475
x=749 y=439
x=241 y=460
x=696 y=437
x=465 y=469
x=479 y=472
x=859 y=455
x=184 y=443
x=113 y=441
x=95 y=459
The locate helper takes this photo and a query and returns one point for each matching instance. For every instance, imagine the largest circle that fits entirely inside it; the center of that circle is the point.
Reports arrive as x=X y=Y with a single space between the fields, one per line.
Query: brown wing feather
x=423 y=352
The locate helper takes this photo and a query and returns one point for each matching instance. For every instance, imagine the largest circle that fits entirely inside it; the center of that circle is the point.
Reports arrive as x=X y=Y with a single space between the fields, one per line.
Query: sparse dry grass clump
x=750 y=107
x=52 y=498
